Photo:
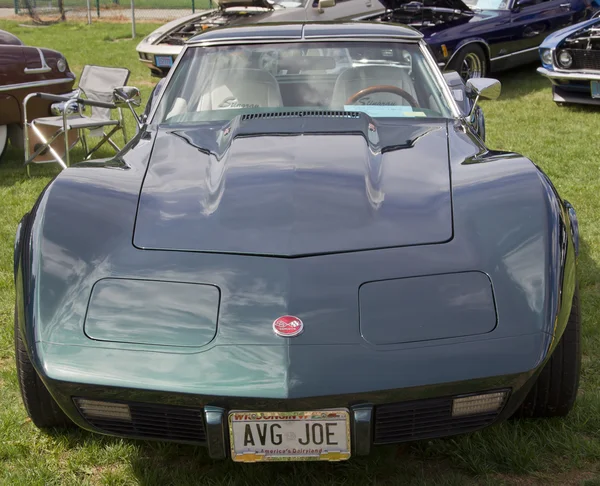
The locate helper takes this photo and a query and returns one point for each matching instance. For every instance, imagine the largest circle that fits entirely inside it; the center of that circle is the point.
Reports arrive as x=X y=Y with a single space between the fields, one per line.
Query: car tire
x=41 y=407
x=469 y=62
x=555 y=389
x=3 y=140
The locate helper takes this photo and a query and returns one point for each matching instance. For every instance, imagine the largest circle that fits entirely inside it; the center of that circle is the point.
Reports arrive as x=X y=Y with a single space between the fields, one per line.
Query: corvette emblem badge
x=288 y=326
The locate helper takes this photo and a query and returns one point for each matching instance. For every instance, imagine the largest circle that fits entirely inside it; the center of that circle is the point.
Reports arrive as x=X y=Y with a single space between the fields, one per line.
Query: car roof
x=306 y=31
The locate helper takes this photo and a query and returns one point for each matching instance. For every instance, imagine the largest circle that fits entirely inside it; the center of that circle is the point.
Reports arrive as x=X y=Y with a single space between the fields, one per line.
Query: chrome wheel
x=472 y=67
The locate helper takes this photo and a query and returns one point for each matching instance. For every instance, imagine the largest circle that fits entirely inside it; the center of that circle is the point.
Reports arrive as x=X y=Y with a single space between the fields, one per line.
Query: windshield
x=382 y=79
x=487 y=4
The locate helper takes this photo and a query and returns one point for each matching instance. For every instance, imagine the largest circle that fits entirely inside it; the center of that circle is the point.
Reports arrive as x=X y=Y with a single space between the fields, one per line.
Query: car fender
x=18 y=241
x=466 y=42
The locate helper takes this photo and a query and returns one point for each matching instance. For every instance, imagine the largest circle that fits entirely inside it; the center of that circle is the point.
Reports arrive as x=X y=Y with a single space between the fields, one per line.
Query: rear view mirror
x=325 y=4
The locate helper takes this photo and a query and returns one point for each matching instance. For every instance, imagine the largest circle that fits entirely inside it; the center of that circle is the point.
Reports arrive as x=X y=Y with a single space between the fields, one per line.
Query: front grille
x=152 y=421
x=295 y=114
x=424 y=419
x=584 y=59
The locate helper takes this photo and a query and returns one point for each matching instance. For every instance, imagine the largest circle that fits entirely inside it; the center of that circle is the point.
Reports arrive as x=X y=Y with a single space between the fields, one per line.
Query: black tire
x=41 y=407
x=469 y=62
x=555 y=390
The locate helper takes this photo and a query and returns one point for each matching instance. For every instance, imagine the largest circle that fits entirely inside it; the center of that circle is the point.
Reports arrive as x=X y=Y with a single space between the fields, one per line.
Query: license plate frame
x=595 y=89
x=286 y=421
x=163 y=61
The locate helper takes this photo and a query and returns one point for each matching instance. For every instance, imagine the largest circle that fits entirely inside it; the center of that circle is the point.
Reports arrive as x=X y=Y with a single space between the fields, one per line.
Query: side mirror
x=485 y=89
x=325 y=4
x=126 y=96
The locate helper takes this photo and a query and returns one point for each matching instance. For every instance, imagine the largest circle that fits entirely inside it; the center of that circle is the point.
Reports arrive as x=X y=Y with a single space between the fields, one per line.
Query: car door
x=343 y=10
x=533 y=20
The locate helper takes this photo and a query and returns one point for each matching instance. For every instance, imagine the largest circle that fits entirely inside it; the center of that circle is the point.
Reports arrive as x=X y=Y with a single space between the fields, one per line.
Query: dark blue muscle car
x=571 y=60
x=475 y=37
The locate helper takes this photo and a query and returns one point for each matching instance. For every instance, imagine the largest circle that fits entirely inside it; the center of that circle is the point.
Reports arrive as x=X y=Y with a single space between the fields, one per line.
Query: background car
x=476 y=37
x=333 y=254
x=472 y=37
x=571 y=61
x=25 y=70
x=159 y=49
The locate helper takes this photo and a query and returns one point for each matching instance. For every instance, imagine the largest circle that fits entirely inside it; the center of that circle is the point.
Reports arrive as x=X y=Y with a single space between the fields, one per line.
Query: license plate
x=595 y=89
x=290 y=436
x=164 y=61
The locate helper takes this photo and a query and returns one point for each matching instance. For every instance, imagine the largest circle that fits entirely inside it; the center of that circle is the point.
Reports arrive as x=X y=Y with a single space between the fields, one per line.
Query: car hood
x=294 y=187
x=452 y=4
x=556 y=37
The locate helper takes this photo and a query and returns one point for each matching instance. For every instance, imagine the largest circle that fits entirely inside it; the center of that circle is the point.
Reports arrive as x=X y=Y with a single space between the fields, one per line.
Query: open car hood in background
x=453 y=4
x=245 y=3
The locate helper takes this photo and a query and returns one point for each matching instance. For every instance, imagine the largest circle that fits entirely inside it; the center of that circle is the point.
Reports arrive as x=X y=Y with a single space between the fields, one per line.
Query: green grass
x=563 y=141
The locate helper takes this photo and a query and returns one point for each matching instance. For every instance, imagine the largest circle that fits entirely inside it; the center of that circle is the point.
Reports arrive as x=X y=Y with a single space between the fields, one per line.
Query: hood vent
x=297 y=114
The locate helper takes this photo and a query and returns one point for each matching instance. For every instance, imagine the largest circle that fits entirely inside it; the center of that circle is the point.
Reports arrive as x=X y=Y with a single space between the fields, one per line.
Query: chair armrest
x=81 y=101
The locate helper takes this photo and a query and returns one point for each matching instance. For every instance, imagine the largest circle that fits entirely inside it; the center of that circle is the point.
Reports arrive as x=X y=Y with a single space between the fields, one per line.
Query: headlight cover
x=565 y=59
x=546 y=55
x=61 y=65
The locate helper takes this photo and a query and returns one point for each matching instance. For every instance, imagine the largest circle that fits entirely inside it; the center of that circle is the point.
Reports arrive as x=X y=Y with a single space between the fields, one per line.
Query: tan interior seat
x=241 y=88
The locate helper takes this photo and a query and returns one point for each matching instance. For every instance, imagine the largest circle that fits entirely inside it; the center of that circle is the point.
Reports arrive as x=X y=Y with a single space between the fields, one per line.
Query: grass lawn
x=563 y=141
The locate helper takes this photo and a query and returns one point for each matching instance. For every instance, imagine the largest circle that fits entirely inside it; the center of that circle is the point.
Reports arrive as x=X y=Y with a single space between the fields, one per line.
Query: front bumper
x=571 y=87
x=155 y=417
x=186 y=397
x=147 y=54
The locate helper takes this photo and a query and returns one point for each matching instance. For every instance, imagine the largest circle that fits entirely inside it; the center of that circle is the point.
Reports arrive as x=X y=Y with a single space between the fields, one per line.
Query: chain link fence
x=53 y=11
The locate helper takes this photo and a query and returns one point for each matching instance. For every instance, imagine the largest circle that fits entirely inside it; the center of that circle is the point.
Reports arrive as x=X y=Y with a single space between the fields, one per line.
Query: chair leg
x=46 y=145
x=106 y=138
x=83 y=138
x=125 y=139
x=113 y=145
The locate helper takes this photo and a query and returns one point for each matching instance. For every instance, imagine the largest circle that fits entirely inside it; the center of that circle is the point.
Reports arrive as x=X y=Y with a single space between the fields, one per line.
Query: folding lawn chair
x=97 y=84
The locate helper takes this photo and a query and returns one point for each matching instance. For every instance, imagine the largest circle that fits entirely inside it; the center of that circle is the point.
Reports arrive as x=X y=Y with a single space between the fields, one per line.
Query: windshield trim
x=431 y=62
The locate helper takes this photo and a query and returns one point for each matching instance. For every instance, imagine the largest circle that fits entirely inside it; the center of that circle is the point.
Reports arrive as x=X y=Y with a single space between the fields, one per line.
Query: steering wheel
x=382 y=88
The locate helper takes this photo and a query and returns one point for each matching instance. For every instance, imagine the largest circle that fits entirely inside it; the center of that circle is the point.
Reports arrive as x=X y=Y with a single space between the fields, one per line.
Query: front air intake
x=426 y=419
x=144 y=420
x=298 y=114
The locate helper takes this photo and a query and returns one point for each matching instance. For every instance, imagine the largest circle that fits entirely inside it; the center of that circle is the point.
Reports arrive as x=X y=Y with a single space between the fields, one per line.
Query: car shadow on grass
x=524 y=80
x=520 y=81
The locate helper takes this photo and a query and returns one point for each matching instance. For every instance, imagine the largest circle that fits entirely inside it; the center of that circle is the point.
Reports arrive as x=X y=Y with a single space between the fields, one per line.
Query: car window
x=382 y=79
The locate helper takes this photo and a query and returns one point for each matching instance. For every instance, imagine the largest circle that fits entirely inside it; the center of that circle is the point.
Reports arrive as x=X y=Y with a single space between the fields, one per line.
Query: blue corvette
x=571 y=60
x=475 y=37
